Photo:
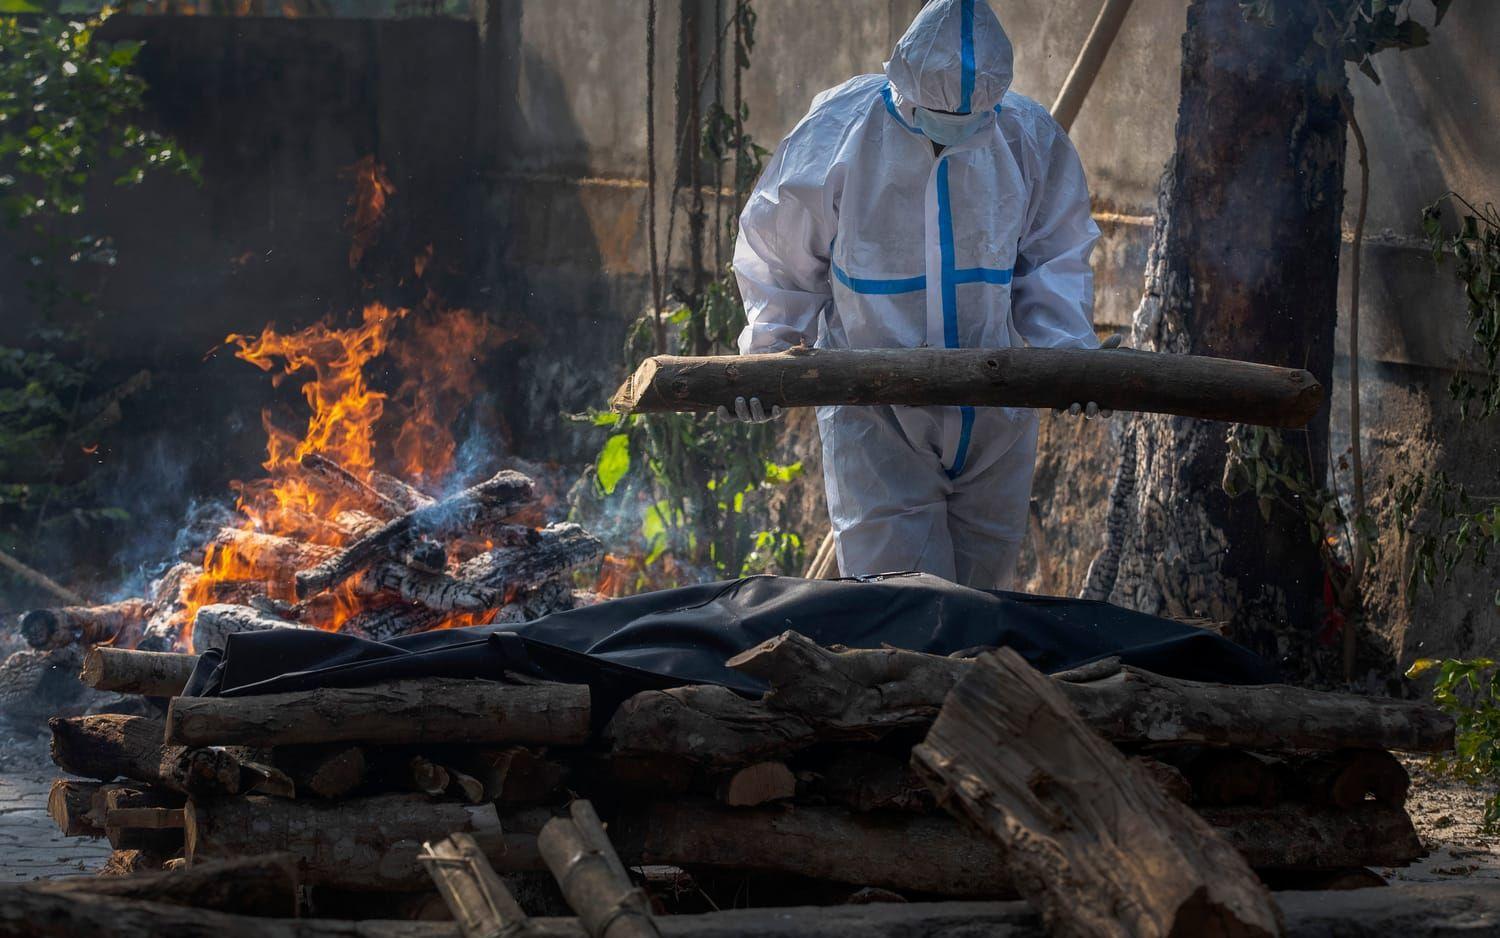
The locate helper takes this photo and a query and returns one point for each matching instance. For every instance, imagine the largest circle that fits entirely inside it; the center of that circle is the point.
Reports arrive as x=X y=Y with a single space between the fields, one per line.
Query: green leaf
x=613 y=462
x=20 y=6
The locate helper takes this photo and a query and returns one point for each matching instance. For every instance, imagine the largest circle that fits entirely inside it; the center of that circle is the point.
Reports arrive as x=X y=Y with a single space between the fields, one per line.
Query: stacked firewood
x=814 y=785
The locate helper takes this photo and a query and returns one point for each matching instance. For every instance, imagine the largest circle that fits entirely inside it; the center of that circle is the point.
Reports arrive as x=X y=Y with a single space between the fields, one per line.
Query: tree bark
x=1087 y=836
x=435 y=710
x=109 y=745
x=1125 y=380
x=150 y=673
x=1243 y=264
x=362 y=844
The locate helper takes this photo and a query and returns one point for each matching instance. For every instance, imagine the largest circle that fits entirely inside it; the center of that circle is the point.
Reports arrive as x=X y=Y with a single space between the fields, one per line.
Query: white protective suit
x=859 y=236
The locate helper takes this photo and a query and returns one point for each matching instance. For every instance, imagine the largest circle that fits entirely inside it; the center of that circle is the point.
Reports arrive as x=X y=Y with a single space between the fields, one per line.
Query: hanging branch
x=1360 y=551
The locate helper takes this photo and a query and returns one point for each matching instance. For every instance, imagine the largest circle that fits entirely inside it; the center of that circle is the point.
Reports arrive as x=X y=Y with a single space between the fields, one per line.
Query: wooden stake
x=479 y=900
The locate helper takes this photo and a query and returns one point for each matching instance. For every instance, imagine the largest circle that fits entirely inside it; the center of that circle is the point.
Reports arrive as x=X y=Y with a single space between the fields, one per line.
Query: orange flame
x=372 y=188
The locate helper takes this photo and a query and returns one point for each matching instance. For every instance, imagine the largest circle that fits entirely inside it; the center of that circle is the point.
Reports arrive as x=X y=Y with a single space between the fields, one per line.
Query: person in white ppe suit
x=928 y=206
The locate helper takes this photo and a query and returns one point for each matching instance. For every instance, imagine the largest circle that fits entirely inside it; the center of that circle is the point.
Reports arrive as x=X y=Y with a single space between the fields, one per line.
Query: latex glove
x=748 y=411
x=1091 y=409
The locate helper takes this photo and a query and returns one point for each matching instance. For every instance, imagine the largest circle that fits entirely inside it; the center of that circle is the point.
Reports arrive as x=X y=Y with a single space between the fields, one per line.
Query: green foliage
x=1475 y=248
x=699 y=487
x=1469 y=691
x=68 y=104
x=1449 y=529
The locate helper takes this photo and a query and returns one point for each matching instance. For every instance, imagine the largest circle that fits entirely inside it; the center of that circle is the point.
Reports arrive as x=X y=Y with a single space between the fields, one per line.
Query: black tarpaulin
x=684 y=636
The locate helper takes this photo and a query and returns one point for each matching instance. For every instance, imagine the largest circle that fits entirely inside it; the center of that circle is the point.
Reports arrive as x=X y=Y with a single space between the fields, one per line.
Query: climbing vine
x=691 y=494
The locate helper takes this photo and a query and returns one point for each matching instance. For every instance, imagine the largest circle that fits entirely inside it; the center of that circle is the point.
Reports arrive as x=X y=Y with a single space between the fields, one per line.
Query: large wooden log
x=592 y=878
x=258 y=886
x=363 y=844
x=151 y=673
x=935 y=854
x=495 y=498
x=110 y=745
x=1411 y=910
x=890 y=687
x=121 y=622
x=431 y=711
x=351 y=486
x=324 y=771
x=1118 y=379
x=1088 y=837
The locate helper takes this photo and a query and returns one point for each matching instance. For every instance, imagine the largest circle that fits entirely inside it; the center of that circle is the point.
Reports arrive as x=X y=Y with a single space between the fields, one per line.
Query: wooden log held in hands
x=1118 y=379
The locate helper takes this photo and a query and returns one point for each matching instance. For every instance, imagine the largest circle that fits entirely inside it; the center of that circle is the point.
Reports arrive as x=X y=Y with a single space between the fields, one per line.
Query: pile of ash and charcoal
x=861 y=776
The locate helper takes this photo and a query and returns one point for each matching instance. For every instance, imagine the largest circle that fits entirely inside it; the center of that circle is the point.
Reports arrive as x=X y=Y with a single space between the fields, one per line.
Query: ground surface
x=31 y=847
x=1449 y=817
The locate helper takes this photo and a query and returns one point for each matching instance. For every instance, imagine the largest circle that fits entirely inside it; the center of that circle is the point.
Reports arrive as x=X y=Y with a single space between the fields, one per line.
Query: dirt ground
x=1449 y=817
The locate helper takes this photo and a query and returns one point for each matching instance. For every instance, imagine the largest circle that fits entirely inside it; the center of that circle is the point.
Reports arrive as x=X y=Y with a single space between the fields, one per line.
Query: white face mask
x=948 y=129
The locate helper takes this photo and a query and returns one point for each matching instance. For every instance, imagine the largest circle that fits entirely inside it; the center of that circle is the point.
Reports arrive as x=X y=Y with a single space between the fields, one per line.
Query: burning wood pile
x=831 y=786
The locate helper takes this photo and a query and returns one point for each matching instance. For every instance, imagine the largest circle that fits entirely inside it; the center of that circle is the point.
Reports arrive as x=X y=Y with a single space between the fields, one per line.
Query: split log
x=357 y=523
x=351 y=486
x=260 y=886
x=109 y=745
x=555 y=550
x=121 y=622
x=1090 y=838
x=1167 y=777
x=593 y=879
x=70 y=804
x=1119 y=379
x=463 y=513
x=477 y=897
x=150 y=673
x=328 y=772
x=756 y=784
x=885 y=688
x=431 y=711
x=363 y=844
x=214 y=623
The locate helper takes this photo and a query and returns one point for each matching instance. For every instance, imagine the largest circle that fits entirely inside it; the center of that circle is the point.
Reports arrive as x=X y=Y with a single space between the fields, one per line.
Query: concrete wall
x=518 y=142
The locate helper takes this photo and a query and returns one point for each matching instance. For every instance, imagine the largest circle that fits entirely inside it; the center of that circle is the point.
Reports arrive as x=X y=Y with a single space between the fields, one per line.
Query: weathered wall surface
x=518 y=144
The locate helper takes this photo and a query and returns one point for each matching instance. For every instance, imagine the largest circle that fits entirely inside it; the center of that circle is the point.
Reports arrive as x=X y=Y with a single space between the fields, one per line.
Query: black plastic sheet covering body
x=684 y=636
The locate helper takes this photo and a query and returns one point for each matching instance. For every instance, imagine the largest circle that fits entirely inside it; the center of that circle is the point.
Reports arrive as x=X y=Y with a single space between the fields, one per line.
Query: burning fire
x=439 y=361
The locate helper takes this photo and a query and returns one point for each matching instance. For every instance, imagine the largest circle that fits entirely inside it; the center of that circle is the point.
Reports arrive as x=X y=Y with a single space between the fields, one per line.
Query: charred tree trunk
x=1243 y=264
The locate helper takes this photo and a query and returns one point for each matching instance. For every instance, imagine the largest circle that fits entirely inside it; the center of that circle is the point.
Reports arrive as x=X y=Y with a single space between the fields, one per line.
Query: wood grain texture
x=1117 y=379
x=1088 y=836
x=434 y=710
